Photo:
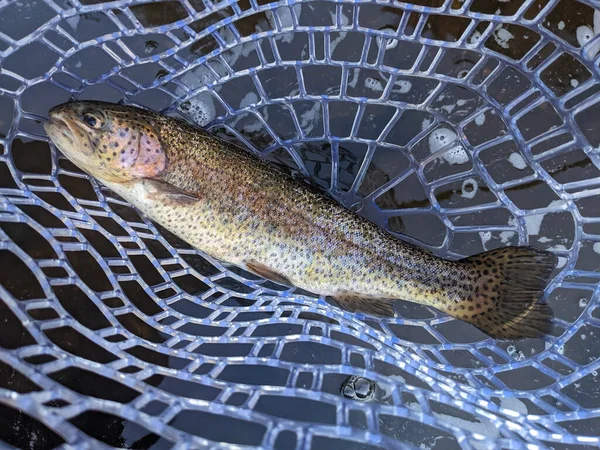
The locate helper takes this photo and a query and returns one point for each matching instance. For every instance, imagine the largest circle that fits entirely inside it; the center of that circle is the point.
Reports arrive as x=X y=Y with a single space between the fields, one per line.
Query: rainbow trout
x=236 y=207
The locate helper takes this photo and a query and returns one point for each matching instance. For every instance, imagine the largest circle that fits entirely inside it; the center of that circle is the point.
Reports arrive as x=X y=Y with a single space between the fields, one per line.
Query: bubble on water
x=150 y=46
x=448 y=108
x=469 y=188
x=352 y=83
x=405 y=86
x=475 y=37
x=561 y=349
x=561 y=25
x=440 y=138
x=480 y=119
x=514 y=353
x=594 y=373
x=201 y=109
x=463 y=73
x=485 y=236
x=533 y=222
x=574 y=83
x=558 y=247
x=502 y=36
x=517 y=161
x=583 y=302
x=505 y=236
x=584 y=35
x=373 y=84
x=596 y=247
x=583 y=337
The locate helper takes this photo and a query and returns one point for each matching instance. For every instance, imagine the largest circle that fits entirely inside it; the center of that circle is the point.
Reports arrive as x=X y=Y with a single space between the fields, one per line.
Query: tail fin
x=514 y=279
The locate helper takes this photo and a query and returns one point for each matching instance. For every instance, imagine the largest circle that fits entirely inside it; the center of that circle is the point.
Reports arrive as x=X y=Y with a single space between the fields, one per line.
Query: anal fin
x=353 y=302
x=268 y=273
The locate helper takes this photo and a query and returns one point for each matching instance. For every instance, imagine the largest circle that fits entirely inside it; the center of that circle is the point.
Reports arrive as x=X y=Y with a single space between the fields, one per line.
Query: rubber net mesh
x=462 y=125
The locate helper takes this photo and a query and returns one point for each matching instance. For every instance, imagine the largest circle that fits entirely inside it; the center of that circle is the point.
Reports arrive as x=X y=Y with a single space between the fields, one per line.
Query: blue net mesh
x=460 y=125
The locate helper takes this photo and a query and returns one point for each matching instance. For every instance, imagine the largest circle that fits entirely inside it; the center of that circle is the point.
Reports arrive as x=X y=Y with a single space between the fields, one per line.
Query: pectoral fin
x=168 y=193
x=354 y=302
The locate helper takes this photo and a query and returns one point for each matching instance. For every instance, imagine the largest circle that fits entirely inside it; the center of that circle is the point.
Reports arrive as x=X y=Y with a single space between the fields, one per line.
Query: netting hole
x=25 y=429
x=215 y=427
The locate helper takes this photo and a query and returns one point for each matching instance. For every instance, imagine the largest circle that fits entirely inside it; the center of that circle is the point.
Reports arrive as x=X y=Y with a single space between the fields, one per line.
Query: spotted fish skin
x=238 y=208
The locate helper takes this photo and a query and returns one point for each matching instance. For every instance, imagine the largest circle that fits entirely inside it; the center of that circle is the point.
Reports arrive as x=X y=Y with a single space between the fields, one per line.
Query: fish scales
x=238 y=208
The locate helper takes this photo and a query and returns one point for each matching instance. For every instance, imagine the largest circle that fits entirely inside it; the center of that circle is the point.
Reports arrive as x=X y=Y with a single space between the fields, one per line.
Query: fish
x=235 y=206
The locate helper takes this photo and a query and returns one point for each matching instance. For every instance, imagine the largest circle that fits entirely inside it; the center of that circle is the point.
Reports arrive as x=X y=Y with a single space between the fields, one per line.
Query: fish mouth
x=58 y=129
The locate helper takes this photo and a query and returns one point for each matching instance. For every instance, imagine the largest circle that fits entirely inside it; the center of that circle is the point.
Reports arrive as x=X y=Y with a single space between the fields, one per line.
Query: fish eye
x=92 y=121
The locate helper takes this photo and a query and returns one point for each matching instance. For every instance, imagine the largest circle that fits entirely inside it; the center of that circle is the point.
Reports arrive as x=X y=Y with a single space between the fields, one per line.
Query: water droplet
x=150 y=46
x=348 y=391
x=469 y=188
x=358 y=388
x=583 y=302
x=363 y=388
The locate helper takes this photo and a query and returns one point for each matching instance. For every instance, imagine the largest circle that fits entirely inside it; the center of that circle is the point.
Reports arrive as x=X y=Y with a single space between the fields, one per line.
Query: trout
x=236 y=207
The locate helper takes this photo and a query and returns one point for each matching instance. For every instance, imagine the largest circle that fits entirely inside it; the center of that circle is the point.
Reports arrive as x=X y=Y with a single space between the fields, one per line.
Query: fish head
x=111 y=142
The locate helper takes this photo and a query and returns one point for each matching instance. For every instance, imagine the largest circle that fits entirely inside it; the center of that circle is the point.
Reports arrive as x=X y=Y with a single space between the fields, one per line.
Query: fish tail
x=511 y=281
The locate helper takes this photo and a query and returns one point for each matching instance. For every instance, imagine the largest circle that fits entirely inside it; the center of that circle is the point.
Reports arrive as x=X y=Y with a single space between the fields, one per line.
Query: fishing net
x=461 y=125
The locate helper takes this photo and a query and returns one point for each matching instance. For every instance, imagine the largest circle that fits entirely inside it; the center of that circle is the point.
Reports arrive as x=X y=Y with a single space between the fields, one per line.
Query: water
x=102 y=304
